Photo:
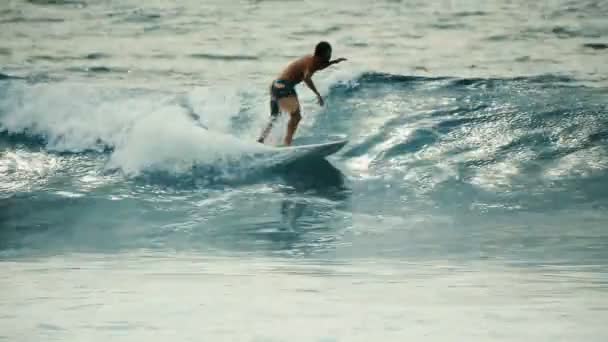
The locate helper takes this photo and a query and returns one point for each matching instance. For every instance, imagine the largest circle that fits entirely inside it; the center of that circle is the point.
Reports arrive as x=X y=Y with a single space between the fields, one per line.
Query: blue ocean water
x=470 y=202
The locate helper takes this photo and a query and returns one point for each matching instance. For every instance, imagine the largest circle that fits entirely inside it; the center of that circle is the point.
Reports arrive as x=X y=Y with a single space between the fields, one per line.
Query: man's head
x=323 y=51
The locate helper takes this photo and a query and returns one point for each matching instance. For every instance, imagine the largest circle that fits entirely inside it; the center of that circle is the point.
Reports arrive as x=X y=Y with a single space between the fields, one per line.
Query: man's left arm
x=335 y=61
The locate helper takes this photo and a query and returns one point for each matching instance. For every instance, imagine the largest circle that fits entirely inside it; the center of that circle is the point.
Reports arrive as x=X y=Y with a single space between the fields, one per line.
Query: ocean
x=470 y=203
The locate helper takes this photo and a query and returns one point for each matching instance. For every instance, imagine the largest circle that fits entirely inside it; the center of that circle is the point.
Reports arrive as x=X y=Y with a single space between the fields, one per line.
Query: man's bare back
x=283 y=96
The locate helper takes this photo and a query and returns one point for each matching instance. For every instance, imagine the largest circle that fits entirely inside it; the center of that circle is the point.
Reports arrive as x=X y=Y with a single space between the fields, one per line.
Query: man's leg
x=292 y=106
x=267 y=130
x=274 y=114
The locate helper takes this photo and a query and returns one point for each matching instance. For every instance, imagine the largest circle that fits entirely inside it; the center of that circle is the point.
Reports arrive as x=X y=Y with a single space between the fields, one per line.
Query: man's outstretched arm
x=335 y=61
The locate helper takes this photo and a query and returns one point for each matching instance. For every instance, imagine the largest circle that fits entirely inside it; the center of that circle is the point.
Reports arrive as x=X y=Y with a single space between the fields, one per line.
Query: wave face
x=493 y=144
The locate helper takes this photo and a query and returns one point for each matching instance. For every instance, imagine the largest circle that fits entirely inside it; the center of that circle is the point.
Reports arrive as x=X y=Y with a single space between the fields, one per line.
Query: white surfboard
x=300 y=152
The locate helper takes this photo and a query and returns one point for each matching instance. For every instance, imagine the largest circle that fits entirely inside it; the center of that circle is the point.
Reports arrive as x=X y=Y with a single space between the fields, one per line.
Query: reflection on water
x=290 y=212
x=317 y=178
x=313 y=193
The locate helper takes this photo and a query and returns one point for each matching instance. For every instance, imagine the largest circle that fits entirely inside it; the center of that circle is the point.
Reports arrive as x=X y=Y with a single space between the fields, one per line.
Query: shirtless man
x=283 y=95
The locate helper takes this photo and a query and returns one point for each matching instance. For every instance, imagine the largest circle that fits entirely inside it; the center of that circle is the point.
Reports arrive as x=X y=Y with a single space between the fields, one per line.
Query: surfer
x=283 y=95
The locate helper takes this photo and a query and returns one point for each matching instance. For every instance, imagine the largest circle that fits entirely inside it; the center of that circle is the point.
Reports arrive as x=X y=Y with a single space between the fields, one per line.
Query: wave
x=372 y=78
x=8 y=77
x=596 y=46
x=57 y=2
x=397 y=123
x=225 y=57
x=463 y=150
x=139 y=129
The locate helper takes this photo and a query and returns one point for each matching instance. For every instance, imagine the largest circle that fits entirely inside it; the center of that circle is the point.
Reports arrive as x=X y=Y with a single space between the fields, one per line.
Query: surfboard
x=301 y=152
x=318 y=150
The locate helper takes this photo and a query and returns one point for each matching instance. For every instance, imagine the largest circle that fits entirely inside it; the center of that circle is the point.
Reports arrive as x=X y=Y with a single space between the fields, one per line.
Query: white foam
x=172 y=143
x=70 y=117
x=219 y=104
x=144 y=130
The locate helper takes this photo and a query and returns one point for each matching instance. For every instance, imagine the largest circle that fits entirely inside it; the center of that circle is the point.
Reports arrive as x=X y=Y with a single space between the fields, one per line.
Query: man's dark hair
x=323 y=49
